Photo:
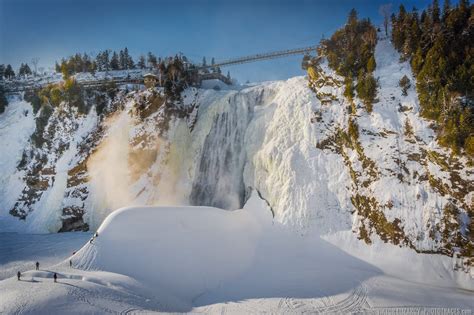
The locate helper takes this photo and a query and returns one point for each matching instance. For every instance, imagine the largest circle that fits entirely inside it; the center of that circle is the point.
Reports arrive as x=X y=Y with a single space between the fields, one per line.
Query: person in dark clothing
x=37 y=265
x=55 y=276
x=70 y=263
x=18 y=275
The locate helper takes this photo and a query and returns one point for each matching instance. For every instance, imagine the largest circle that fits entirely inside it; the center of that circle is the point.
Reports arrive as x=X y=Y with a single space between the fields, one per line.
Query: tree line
x=105 y=60
x=439 y=44
x=7 y=72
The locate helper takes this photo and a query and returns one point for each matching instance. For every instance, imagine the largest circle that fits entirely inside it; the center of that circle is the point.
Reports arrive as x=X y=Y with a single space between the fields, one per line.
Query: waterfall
x=218 y=180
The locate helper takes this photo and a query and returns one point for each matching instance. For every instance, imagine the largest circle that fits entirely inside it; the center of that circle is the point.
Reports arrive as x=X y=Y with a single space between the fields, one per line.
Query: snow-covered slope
x=322 y=164
x=16 y=126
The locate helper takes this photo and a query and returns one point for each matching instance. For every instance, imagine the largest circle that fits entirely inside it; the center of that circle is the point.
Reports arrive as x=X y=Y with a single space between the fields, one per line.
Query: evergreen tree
x=352 y=20
x=404 y=84
x=435 y=12
x=127 y=60
x=57 y=67
x=122 y=60
x=413 y=37
x=130 y=63
x=24 y=70
x=28 y=70
x=66 y=70
x=141 y=62
x=106 y=59
x=446 y=8
x=367 y=89
x=98 y=61
x=349 y=88
x=114 y=62
x=152 y=62
x=371 y=64
x=214 y=69
x=2 y=71
x=417 y=61
x=102 y=60
x=9 y=73
x=88 y=64
x=3 y=100
x=93 y=67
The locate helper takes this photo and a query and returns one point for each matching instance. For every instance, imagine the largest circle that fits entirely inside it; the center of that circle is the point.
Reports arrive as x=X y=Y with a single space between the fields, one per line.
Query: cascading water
x=218 y=180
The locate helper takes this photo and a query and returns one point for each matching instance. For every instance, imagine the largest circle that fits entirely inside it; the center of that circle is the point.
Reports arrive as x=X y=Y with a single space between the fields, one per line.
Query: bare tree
x=35 y=61
x=385 y=10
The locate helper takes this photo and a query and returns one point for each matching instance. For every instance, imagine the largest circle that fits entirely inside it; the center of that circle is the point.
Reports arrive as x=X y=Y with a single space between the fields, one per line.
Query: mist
x=129 y=169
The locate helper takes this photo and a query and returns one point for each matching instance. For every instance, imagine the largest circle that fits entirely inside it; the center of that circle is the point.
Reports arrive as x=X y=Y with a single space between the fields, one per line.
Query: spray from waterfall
x=108 y=169
x=133 y=166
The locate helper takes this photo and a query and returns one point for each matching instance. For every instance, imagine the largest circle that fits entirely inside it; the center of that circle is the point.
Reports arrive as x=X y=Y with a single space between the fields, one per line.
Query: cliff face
x=404 y=188
x=321 y=162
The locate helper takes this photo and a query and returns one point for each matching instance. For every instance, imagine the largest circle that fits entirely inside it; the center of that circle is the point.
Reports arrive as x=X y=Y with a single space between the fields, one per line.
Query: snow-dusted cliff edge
x=291 y=145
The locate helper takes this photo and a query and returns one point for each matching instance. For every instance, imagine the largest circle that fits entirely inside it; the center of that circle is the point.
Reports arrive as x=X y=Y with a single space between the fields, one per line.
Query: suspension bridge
x=14 y=86
x=260 y=57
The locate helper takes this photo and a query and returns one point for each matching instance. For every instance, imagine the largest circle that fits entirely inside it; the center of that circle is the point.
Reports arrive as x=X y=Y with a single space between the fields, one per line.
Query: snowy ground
x=19 y=252
x=206 y=260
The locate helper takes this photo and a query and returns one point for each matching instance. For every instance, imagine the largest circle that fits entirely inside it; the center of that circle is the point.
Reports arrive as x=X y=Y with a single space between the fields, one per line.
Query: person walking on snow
x=18 y=275
x=70 y=263
x=37 y=265
x=55 y=276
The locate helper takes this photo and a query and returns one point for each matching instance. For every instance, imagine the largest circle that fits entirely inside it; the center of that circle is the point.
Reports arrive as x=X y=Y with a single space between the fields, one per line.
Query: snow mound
x=202 y=255
x=185 y=249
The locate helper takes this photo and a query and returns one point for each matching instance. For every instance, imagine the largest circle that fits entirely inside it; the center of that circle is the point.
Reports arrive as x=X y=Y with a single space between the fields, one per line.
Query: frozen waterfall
x=218 y=180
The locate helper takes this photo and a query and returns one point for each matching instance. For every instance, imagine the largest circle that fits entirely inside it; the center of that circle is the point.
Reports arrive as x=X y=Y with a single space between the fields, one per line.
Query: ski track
x=354 y=302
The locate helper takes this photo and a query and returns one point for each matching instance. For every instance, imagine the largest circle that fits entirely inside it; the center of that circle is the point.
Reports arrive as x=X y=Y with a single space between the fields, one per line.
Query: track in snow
x=87 y=256
x=355 y=302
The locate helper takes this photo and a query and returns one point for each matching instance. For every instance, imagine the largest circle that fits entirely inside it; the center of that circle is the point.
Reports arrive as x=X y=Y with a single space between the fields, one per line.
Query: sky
x=52 y=29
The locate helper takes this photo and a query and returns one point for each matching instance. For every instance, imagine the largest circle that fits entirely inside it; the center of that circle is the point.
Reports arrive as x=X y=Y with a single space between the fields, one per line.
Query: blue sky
x=51 y=29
